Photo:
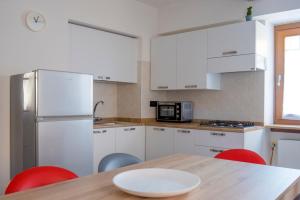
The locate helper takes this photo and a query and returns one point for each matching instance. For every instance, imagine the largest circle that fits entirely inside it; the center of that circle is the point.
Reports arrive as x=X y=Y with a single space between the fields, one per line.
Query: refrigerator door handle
x=63 y=118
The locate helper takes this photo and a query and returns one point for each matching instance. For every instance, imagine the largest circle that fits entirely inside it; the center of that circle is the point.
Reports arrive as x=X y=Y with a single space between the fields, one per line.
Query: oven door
x=167 y=112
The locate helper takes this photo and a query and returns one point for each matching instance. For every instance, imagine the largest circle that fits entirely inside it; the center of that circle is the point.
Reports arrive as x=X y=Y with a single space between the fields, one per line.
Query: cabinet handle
x=191 y=86
x=96 y=132
x=107 y=78
x=129 y=129
x=217 y=134
x=216 y=150
x=158 y=129
x=279 y=79
x=229 y=53
x=100 y=77
x=183 y=131
x=162 y=87
x=104 y=131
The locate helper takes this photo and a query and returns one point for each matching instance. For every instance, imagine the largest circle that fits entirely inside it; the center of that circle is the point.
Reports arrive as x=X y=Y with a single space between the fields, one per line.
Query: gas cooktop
x=227 y=124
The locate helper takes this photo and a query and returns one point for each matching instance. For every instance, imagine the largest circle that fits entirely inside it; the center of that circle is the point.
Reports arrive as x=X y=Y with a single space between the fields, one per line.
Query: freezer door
x=66 y=144
x=64 y=94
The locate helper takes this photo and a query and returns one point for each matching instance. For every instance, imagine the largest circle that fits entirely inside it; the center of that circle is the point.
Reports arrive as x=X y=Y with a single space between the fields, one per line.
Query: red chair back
x=38 y=176
x=241 y=155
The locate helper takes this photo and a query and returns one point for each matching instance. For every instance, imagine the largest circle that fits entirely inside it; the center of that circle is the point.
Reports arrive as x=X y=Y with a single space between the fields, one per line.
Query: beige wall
x=129 y=98
x=106 y=92
x=134 y=99
x=147 y=94
x=241 y=98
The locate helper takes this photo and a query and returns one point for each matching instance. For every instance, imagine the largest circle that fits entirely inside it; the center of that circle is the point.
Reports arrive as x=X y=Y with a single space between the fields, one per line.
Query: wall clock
x=35 y=21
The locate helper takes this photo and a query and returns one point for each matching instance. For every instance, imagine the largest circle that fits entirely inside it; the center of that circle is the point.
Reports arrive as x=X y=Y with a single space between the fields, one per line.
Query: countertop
x=191 y=125
x=284 y=127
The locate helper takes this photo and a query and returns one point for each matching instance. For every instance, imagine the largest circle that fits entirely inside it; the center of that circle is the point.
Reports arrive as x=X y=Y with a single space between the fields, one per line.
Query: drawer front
x=220 y=139
x=208 y=151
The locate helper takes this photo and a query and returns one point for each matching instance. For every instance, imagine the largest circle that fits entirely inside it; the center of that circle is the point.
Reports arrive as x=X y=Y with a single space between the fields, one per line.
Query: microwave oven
x=179 y=111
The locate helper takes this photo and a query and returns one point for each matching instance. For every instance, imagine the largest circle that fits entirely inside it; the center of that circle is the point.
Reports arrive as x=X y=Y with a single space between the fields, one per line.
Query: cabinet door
x=131 y=140
x=108 y=56
x=163 y=63
x=184 y=141
x=192 y=60
x=159 y=142
x=208 y=151
x=104 y=144
x=126 y=58
x=231 y=40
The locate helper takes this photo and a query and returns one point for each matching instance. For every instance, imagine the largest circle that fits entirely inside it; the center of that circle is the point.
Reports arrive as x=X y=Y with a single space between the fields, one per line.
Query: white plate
x=155 y=182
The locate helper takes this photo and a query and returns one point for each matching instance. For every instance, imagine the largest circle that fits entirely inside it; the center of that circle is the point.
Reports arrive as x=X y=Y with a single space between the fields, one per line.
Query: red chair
x=38 y=176
x=241 y=155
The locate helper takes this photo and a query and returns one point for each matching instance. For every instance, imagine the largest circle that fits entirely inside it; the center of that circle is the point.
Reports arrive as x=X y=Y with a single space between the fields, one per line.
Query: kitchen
x=244 y=96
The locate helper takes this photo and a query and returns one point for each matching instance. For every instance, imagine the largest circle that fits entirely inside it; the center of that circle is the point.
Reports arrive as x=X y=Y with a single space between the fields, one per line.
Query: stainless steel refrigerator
x=51 y=121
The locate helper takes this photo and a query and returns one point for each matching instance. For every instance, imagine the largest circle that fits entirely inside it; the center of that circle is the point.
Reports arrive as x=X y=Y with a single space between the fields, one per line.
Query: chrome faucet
x=95 y=109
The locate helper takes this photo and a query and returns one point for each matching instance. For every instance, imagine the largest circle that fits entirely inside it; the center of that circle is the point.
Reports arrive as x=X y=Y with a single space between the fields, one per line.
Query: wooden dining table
x=220 y=180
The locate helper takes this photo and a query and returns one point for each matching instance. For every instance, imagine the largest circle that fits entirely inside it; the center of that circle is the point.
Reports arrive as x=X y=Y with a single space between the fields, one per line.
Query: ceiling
x=157 y=3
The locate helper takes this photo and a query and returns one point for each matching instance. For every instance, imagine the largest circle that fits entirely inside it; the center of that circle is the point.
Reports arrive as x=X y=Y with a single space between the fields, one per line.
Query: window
x=287 y=74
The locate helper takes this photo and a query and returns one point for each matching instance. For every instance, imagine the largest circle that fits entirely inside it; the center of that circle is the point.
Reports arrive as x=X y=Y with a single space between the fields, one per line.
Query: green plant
x=249 y=11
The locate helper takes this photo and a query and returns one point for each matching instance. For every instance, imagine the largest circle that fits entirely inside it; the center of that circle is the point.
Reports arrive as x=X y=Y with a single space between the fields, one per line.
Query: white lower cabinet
x=184 y=141
x=159 y=142
x=104 y=144
x=131 y=140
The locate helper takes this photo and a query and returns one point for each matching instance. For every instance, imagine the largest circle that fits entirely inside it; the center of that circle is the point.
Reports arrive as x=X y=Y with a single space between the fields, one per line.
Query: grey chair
x=117 y=160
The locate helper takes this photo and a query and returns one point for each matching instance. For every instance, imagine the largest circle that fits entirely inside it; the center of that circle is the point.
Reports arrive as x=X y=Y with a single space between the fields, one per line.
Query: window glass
x=291 y=92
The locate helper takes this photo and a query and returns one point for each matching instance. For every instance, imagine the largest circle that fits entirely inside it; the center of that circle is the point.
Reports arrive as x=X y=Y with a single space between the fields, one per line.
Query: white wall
x=22 y=50
x=263 y=7
x=194 y=13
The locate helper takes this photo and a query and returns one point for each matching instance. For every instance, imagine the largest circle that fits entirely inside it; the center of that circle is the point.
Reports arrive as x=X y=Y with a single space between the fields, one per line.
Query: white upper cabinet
x=108 y=56
x=179 y=62
x=163 y=63
x=192 y=62
x=237 y=47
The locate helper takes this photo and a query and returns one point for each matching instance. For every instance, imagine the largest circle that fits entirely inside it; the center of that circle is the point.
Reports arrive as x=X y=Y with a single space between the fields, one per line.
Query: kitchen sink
x=106 y=123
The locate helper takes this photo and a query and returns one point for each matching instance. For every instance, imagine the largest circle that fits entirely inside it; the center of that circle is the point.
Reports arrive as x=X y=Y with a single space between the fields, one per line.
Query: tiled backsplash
x=241 y=97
